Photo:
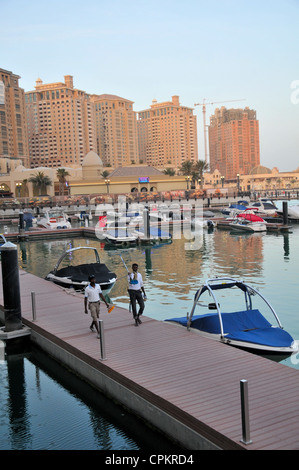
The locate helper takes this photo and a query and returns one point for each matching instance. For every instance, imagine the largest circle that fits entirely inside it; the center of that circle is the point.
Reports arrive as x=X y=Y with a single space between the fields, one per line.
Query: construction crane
x=203 y=104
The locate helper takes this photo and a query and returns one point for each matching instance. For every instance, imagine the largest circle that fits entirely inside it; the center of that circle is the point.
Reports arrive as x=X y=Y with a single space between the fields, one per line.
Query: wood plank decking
x=193 y=379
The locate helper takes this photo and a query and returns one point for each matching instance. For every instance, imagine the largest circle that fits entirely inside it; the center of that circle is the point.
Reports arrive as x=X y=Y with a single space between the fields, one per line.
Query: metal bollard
x=33 y=306
x=245 y=412
x=102 y=340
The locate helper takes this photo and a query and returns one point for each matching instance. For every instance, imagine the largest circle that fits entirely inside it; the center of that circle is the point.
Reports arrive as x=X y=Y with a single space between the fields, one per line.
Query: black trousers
x=136 y=296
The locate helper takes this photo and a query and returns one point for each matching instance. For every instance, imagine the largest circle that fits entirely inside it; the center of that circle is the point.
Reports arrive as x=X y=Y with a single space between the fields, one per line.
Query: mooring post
x=11 y=287
x=21 y=222
x=285 y=212
x=102 y=340
x=245 y=412
x=146 y=222
x=33 y=304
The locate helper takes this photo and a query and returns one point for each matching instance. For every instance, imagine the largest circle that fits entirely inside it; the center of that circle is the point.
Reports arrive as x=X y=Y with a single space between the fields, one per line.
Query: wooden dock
x=186 y=385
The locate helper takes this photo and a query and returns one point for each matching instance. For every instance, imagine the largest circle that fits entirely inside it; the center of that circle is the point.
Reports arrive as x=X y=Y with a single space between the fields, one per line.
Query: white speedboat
x=243 y=318
x=119 y=237
x=75 y=274
x=293 y=211
x=247 y=222
x=53 y=220
x=263 y=207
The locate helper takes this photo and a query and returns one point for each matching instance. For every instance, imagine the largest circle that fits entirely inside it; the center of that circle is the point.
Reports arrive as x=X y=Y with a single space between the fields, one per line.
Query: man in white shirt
x=93 y=292
x=136 y=290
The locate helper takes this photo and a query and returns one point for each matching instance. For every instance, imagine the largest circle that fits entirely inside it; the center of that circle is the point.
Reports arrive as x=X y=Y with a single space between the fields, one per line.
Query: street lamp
x=188 y=179
x=222 y=181
x=107 y=182
x=18 y=185
x=238 y=181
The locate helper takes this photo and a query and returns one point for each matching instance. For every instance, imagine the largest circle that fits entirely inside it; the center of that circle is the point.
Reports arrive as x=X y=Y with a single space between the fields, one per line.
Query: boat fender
x=125 y=244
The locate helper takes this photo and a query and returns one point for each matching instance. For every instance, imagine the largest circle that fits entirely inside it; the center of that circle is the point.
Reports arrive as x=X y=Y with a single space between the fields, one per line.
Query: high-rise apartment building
x=13 y=129
x=60 y=123
x=116 y=130
x=167 y=134
x=234 y=141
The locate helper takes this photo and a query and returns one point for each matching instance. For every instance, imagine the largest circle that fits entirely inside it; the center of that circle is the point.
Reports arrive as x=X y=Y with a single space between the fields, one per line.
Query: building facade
x=167 y=134
x=13 y=128
x=116 y=130
x=234 y=141
x=60 y=124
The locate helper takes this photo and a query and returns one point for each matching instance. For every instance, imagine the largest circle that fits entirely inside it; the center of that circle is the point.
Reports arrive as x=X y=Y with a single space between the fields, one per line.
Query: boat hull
x=253 y=227
x=246 y=346
x=77 y=285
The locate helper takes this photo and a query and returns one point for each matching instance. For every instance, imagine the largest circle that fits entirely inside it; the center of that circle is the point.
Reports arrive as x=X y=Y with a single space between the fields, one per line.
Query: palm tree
x=105 y=174
x=186 y=167
x=61 y=175
x=169 y=172
x=40 y=181
x=198 y=170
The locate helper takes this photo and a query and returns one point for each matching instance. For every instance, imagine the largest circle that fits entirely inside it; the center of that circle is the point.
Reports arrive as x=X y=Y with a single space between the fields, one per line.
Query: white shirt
x=93 y=293
x=135 y=284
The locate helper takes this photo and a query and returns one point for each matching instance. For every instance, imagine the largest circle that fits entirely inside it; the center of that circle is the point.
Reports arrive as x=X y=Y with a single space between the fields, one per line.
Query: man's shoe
x=136 y=322
x=91 y=328
x=139 y=321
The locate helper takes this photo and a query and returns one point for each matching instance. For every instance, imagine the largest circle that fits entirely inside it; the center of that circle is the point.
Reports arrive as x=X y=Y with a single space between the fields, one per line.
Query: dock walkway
x=185 y=385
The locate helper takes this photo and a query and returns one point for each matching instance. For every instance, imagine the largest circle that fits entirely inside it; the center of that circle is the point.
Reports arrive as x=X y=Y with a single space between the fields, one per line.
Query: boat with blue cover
x=246 y=327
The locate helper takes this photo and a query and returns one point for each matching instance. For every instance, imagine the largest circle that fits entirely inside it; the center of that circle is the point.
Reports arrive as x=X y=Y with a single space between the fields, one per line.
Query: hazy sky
x=217 y=50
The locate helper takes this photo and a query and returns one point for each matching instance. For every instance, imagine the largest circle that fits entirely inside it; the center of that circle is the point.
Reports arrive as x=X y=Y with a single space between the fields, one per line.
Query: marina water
x=269 y=261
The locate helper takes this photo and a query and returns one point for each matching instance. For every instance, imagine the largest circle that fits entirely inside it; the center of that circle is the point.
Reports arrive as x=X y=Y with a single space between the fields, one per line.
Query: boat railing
x=76 y=249
x=212 y=284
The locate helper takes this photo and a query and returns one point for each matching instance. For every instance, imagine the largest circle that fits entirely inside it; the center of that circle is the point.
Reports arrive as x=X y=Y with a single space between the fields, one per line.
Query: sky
x=232 y=53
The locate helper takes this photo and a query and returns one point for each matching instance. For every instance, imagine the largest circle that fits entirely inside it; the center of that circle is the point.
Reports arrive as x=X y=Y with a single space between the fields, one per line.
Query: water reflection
x=44 y=406
x=19 y=425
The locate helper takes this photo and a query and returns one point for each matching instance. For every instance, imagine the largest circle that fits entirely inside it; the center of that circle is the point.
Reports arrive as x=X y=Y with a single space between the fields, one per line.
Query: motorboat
x=263 y=207
x=119 y=237
x=238 y=321
x=199 y=223
x=233 y=209
x=247 y=222
x=76 y=275
x=53 y=220
x=156 y=234
x=293 y=211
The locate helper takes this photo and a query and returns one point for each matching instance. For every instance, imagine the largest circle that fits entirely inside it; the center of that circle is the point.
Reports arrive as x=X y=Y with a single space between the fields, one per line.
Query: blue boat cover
x=239 y=207
x=246 y=325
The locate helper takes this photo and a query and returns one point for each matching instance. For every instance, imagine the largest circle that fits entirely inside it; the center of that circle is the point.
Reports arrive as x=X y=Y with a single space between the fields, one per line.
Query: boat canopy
x=250 y=217
x=239 y=207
